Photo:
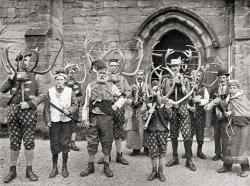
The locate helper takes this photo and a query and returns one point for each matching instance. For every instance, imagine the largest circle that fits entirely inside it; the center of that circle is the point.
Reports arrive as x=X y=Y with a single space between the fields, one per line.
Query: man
x=59 y=109
x=197 y=113
x=119 y=119
x=26 y=94
x=135 y=125
x=71 y=70
x=220 y=91
x=97 y=115
x=180 y=118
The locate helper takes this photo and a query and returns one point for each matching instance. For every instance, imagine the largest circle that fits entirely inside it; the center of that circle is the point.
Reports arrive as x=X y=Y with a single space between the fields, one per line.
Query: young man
x=197 y=113
x=119 y=115
x=59 y=109
x=236 y=132
x=217 y=93
x=157 y=131
x=26 y=94
x=71 y=71
x=102 y=99
x=135 y=124
x=181 y=117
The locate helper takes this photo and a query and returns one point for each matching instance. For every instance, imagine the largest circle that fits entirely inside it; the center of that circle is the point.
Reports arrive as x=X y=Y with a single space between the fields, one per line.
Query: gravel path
x=134 y=174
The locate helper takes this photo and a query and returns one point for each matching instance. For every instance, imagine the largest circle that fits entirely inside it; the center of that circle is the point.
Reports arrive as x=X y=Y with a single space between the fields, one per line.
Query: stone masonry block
x=109 y=4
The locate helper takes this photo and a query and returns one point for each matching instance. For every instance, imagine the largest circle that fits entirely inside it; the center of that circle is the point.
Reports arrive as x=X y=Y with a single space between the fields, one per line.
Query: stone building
x=217 y=27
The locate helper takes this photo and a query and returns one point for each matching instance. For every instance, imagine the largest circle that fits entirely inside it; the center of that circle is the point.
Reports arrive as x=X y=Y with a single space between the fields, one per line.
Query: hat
x=60 y=73
x=98 y=64
x=70 y=66
x=176 y=61
x=113 y=60
x=234 y=82
x=222 y=72
x=155 y=83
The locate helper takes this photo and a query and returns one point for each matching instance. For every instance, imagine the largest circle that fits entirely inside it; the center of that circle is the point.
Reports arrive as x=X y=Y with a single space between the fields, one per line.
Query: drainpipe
x=230 y=56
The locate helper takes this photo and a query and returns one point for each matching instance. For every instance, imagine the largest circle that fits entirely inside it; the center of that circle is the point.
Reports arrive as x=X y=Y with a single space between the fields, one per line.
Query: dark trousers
x=60 y=136
x=217 y=136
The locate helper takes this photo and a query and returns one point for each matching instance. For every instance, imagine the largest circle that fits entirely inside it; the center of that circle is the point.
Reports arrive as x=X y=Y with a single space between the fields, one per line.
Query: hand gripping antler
x=196 y=71
x=56 y=56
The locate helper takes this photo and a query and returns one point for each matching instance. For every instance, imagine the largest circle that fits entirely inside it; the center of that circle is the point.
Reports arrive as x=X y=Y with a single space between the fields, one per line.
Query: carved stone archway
x=167 y=19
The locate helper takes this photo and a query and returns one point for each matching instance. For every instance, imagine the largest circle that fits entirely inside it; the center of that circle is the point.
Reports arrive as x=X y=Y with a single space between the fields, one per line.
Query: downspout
x=230 y=48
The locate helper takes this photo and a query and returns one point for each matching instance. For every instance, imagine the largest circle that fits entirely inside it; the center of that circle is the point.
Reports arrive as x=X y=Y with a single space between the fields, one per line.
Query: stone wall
x=114 y=22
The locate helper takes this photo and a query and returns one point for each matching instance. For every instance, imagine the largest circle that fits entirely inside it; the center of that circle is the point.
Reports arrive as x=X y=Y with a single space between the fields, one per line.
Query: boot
x=73 y=146
x=161 y=176
x=120 y=159
x=101 y=160
x=135 y=152
x=200 y=153
x=244 y=170
x=224 y=169
x=175 y=160
x=89 y=170
x=216 y=157
x=244 y=174
x=30 y=174
x=153 y=174
x=107 y=171
x=11 y=175
x=54 y=170
x=185 y=156
x=65 y=172
x=188 y=152
x=190 y=164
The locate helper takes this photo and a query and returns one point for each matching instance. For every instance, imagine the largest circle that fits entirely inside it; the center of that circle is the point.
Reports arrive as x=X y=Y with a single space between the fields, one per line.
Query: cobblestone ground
x=134 y=174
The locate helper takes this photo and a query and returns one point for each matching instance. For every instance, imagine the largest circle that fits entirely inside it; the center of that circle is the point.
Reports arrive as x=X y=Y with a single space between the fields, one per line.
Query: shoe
x=244 y=174
x=174 y=161
x=135 y=152
x=89 y=170
x=216 y=157
x=73 y=146
x=30 y=174
x=201 y=155
x=153 y=174
x=107 y=171
x=161 y=176
x=190 y=165
x=120 y=159
x=11 y=175
x=223 y=169
x=65 y=172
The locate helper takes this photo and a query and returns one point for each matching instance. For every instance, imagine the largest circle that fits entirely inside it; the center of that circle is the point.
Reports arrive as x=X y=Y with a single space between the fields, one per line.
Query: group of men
x=110 y=103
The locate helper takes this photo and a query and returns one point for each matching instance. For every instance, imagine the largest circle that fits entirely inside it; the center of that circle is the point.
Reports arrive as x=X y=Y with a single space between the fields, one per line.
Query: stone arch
x=183 y=20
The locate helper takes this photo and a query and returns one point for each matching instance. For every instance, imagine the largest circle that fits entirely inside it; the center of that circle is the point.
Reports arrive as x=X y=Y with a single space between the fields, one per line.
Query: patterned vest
x=61 y=100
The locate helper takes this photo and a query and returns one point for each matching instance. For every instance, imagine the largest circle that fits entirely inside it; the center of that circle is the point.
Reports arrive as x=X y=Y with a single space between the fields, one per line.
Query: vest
x=101 y=91
x=61 y=101
x=30 y=90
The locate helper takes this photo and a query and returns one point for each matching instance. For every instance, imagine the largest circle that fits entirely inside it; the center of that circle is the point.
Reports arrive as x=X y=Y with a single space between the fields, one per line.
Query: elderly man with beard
x=59 y=107
x=71 y=70
x=136 y=137
x=181 y=118
x=26 y=94
x=119 y=115
x=102 y=99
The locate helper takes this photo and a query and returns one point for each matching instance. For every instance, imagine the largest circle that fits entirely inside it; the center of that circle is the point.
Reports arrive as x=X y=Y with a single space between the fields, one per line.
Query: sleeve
x=46 y=109
x=205 y=100
x=85 y=108
x=121 y=100
x=39 y=94
x=7 y=85
x=74 y=104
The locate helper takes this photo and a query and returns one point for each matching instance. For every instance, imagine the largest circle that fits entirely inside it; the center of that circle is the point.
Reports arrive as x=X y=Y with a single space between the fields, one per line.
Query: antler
x=139 y=58
x=54 y=61
x=4 y=65
x=85 y=71
x=6 y=51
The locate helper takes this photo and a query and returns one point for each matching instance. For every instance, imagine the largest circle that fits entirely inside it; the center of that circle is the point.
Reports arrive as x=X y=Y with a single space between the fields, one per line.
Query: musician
x=60 y=105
